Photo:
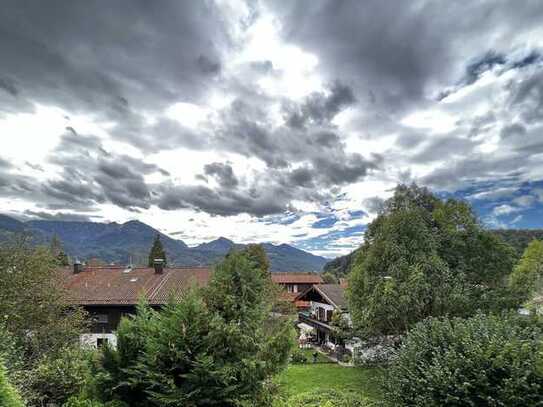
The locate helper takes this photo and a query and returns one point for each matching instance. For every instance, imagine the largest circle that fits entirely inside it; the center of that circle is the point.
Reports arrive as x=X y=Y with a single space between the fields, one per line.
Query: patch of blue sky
x=325 y=223
x=329 y=242
x=282 y=219
x=505 y=203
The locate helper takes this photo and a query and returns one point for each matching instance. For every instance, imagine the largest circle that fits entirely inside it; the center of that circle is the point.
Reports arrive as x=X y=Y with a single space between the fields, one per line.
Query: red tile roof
x=296 y=278
x=114 y=285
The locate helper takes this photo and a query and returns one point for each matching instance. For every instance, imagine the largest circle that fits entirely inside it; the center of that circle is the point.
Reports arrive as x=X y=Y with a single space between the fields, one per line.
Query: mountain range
x=130 y=242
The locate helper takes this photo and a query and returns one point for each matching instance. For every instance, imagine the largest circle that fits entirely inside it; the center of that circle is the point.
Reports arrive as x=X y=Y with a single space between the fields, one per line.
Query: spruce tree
x=157 y=251
x=216 y=346
x=58 y=252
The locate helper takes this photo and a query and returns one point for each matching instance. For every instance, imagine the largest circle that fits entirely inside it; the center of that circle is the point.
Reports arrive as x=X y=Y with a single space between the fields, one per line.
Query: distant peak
x=223 y=239
x=133 y=222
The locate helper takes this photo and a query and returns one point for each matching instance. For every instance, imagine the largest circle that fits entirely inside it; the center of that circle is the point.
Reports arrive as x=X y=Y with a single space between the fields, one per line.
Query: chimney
x=158 y=264
x=78 y=267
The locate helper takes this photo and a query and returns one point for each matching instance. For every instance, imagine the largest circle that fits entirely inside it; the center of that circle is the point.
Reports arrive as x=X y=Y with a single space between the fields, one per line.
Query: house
x=324 y=300
x=294 y=283
x=109 y=292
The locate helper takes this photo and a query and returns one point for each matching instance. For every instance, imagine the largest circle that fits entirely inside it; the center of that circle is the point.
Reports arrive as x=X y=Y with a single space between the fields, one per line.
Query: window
x=101 y=342
x=290 y=288
x=321 y=314
x=329 y=315
x=100 y=318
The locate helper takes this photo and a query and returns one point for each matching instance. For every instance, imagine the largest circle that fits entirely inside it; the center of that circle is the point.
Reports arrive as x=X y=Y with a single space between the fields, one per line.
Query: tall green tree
x=33 y=300
x=38 y=327
x=157 y=252
x=425 y=257
x=214 y=347
x=527 y=276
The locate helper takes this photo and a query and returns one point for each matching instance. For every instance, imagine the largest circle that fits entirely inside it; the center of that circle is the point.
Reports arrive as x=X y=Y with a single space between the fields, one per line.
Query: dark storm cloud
x=527 y=96
x=512 y=130
x=224 y=202
x=483 y=64
x=400 y=49
x=450 y=146
x=165 y=134
x=223 y=173
x=319 y=108
x=8 y=86
x=72 y=217
x=91 y=175
x=307 y=150
x=116 y=58
x=475 y=168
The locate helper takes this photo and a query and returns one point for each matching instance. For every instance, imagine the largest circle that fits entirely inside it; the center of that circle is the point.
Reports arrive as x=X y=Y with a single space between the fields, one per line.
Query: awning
x=305 y=327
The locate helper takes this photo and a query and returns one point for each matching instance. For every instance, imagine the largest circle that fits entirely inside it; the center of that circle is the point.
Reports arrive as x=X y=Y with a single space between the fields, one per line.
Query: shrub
x=56 y=377
x=484 y=360
x=329 y=398
x=298 y=356
x=83 y=402
x=379 y=352
x=8 y=394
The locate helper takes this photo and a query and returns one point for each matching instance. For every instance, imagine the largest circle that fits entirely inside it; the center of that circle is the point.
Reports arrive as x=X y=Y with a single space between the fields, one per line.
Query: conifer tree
x=58 y=252
x=157 y=251
x=211 y=348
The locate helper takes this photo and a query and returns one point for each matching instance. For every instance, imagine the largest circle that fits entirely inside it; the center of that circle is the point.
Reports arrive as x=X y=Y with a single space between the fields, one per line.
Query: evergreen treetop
x=157 y=252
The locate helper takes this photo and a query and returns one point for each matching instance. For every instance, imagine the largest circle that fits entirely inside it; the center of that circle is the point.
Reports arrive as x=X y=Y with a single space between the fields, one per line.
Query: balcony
x=309 y=319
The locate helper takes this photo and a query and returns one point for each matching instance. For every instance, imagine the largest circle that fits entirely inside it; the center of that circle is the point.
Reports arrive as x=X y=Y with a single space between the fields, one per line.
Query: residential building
x=294 y=283
x=324 y=300
x=109 y=292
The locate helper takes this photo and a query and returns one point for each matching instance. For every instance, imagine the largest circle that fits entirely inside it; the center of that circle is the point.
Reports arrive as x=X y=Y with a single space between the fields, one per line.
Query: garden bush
x=377 y=352
x=56 y=377
x=329 y=398
x=8 y=395
x=298 y=356
x=83 y=402
x=481 y=361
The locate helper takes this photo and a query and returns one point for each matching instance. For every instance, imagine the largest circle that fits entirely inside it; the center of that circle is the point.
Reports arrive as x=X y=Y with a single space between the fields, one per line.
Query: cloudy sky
x=269 y=120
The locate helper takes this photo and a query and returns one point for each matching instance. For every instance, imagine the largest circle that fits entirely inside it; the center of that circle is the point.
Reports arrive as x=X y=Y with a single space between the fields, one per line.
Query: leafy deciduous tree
x=33 y=301
x=425 y=257
x=527 y=276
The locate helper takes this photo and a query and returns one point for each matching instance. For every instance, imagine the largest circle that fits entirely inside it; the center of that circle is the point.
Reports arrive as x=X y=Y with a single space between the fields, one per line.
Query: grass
x=309 y=377
x=320 y=357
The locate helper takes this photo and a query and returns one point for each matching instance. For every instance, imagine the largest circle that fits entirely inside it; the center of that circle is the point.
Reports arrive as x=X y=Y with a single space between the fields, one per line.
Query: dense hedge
x=330 y=398
x=481 y=361
x=8 y=394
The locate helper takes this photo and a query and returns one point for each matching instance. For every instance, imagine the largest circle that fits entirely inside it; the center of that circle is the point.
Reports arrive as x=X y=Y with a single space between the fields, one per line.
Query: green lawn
x=320 y=357
x=303 y=378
